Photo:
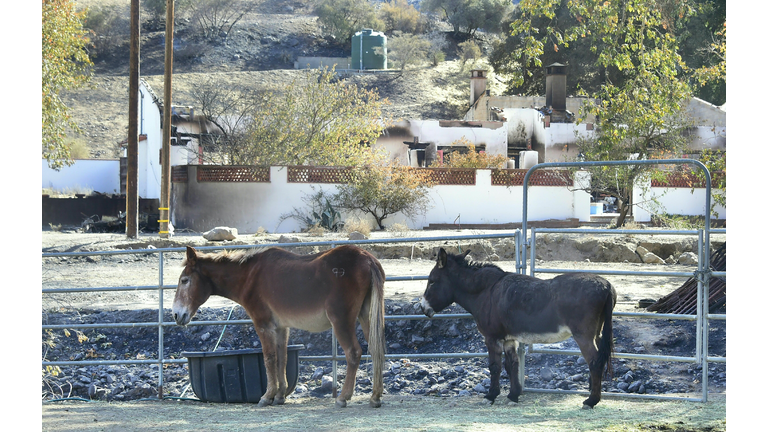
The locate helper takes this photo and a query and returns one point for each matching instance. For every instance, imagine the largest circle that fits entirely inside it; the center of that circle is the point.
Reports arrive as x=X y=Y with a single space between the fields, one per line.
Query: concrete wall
x=250 y=206
x=97 y=175
x=674 y=201
x=322 y=62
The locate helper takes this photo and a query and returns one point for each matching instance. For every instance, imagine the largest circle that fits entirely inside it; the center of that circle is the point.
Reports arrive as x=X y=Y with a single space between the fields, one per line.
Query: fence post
x=160 y=350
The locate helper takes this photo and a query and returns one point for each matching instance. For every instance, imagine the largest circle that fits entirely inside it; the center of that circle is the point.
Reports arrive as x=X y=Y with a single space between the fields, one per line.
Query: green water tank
x=369 y=50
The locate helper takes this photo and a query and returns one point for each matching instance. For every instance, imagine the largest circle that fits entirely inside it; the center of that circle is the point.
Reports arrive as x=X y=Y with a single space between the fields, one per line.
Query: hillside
x=258 y=52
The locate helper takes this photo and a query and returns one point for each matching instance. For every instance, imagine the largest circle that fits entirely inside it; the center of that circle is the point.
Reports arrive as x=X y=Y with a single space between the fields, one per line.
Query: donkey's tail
x=606 y=349
x=376 y=342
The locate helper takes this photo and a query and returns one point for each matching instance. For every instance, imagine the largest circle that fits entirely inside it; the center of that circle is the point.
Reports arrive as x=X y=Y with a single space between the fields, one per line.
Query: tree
x=230 y=109
x=507 y=56
x=317 y=119
x=343 y=18
x=398 y=15
x=408 y=49
x=216 y=18
x=468 y=16
x=469 y=52
x=385 y=188
x=640 y=102
x=65 y=66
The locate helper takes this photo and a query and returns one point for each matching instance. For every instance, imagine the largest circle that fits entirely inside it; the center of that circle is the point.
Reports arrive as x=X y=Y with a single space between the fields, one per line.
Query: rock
x=546 y=374
x=648 y=257
x=317 y=374
x=634 y=387
x=479 y=388
x=356 y=235
x=288 y=239
x=453 y=331
x=221 y=233
x=688 y=258
x=326 y=386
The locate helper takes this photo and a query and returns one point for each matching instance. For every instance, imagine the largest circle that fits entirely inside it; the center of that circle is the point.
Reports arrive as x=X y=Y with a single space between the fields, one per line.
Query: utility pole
x=132 y=181
x=165 y=182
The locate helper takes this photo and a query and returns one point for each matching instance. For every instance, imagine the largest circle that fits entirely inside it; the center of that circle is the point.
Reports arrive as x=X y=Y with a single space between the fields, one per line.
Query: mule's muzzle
x=426 y=308
x=181 y=318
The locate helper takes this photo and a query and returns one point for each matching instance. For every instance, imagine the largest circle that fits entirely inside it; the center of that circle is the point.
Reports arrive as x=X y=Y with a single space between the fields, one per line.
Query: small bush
x=469 y=52
x=359 y=225
x=398 y=230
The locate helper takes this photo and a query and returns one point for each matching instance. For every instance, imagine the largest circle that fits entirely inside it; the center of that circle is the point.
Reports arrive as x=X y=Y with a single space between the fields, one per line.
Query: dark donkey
x=510 y=308
x=279 y=290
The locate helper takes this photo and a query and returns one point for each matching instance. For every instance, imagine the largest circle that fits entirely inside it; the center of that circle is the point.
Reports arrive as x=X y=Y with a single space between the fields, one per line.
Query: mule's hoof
x=485 y=401
x=375 y=403
x=265 y=402
x=341 y=403
x=279 y=401
x=587 y=407
x=510 y=402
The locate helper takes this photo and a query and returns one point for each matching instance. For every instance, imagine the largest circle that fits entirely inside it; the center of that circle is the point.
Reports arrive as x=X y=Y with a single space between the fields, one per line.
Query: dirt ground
x=536 y=412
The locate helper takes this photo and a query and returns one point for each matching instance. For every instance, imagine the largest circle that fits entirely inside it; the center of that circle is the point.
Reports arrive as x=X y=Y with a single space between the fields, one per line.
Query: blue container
x=236 y=376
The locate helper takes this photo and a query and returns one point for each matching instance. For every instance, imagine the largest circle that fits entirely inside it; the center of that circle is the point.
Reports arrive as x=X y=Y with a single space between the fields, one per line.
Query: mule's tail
x=605 y=351
x=376 y=342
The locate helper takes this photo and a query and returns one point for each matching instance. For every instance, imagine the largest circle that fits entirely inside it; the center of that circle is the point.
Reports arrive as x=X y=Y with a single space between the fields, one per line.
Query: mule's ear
x=442 y=258
x=191 y=255
x=464 y=255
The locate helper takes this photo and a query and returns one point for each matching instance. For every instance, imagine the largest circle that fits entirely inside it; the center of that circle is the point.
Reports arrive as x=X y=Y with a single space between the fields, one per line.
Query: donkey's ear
x=442 y=258
x=191 y=255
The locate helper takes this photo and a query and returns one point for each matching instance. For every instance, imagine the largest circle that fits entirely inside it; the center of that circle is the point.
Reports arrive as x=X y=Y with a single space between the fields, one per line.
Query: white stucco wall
x=250 y=206
x=97 y=175
x=674 y=201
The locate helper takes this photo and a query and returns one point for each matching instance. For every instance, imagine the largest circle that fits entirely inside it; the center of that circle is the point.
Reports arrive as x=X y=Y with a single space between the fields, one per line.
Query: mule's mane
x=225 y=256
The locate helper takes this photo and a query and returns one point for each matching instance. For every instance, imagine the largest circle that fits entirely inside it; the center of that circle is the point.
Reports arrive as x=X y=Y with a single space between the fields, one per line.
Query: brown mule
x=280 y=290
x=510 y=308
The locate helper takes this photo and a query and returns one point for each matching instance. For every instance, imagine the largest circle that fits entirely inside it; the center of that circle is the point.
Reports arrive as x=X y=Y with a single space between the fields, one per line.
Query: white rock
x=688 y=258
x=221 y=233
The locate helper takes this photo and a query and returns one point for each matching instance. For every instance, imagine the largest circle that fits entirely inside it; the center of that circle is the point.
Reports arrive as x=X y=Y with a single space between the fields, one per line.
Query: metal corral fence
x=335 y=358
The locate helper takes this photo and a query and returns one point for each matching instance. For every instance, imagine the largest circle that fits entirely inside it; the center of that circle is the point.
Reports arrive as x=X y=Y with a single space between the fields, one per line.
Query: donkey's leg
x=588 y=346
x=268 y=337
x=347 y=337
x=494 y=365
x=282 y=360
x=512 y=365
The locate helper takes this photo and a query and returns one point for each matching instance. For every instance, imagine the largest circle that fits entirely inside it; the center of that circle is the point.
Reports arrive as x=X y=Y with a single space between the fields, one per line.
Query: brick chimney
x=477 y=84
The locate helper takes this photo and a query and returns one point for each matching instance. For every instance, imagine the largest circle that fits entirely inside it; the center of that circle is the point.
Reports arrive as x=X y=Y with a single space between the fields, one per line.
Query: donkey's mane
x=476 y=265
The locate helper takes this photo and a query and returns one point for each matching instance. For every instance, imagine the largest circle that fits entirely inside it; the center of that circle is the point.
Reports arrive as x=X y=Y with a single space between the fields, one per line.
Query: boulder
x=688 y=258
x=357 y=235
x=220 y=234
x=648 y=257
